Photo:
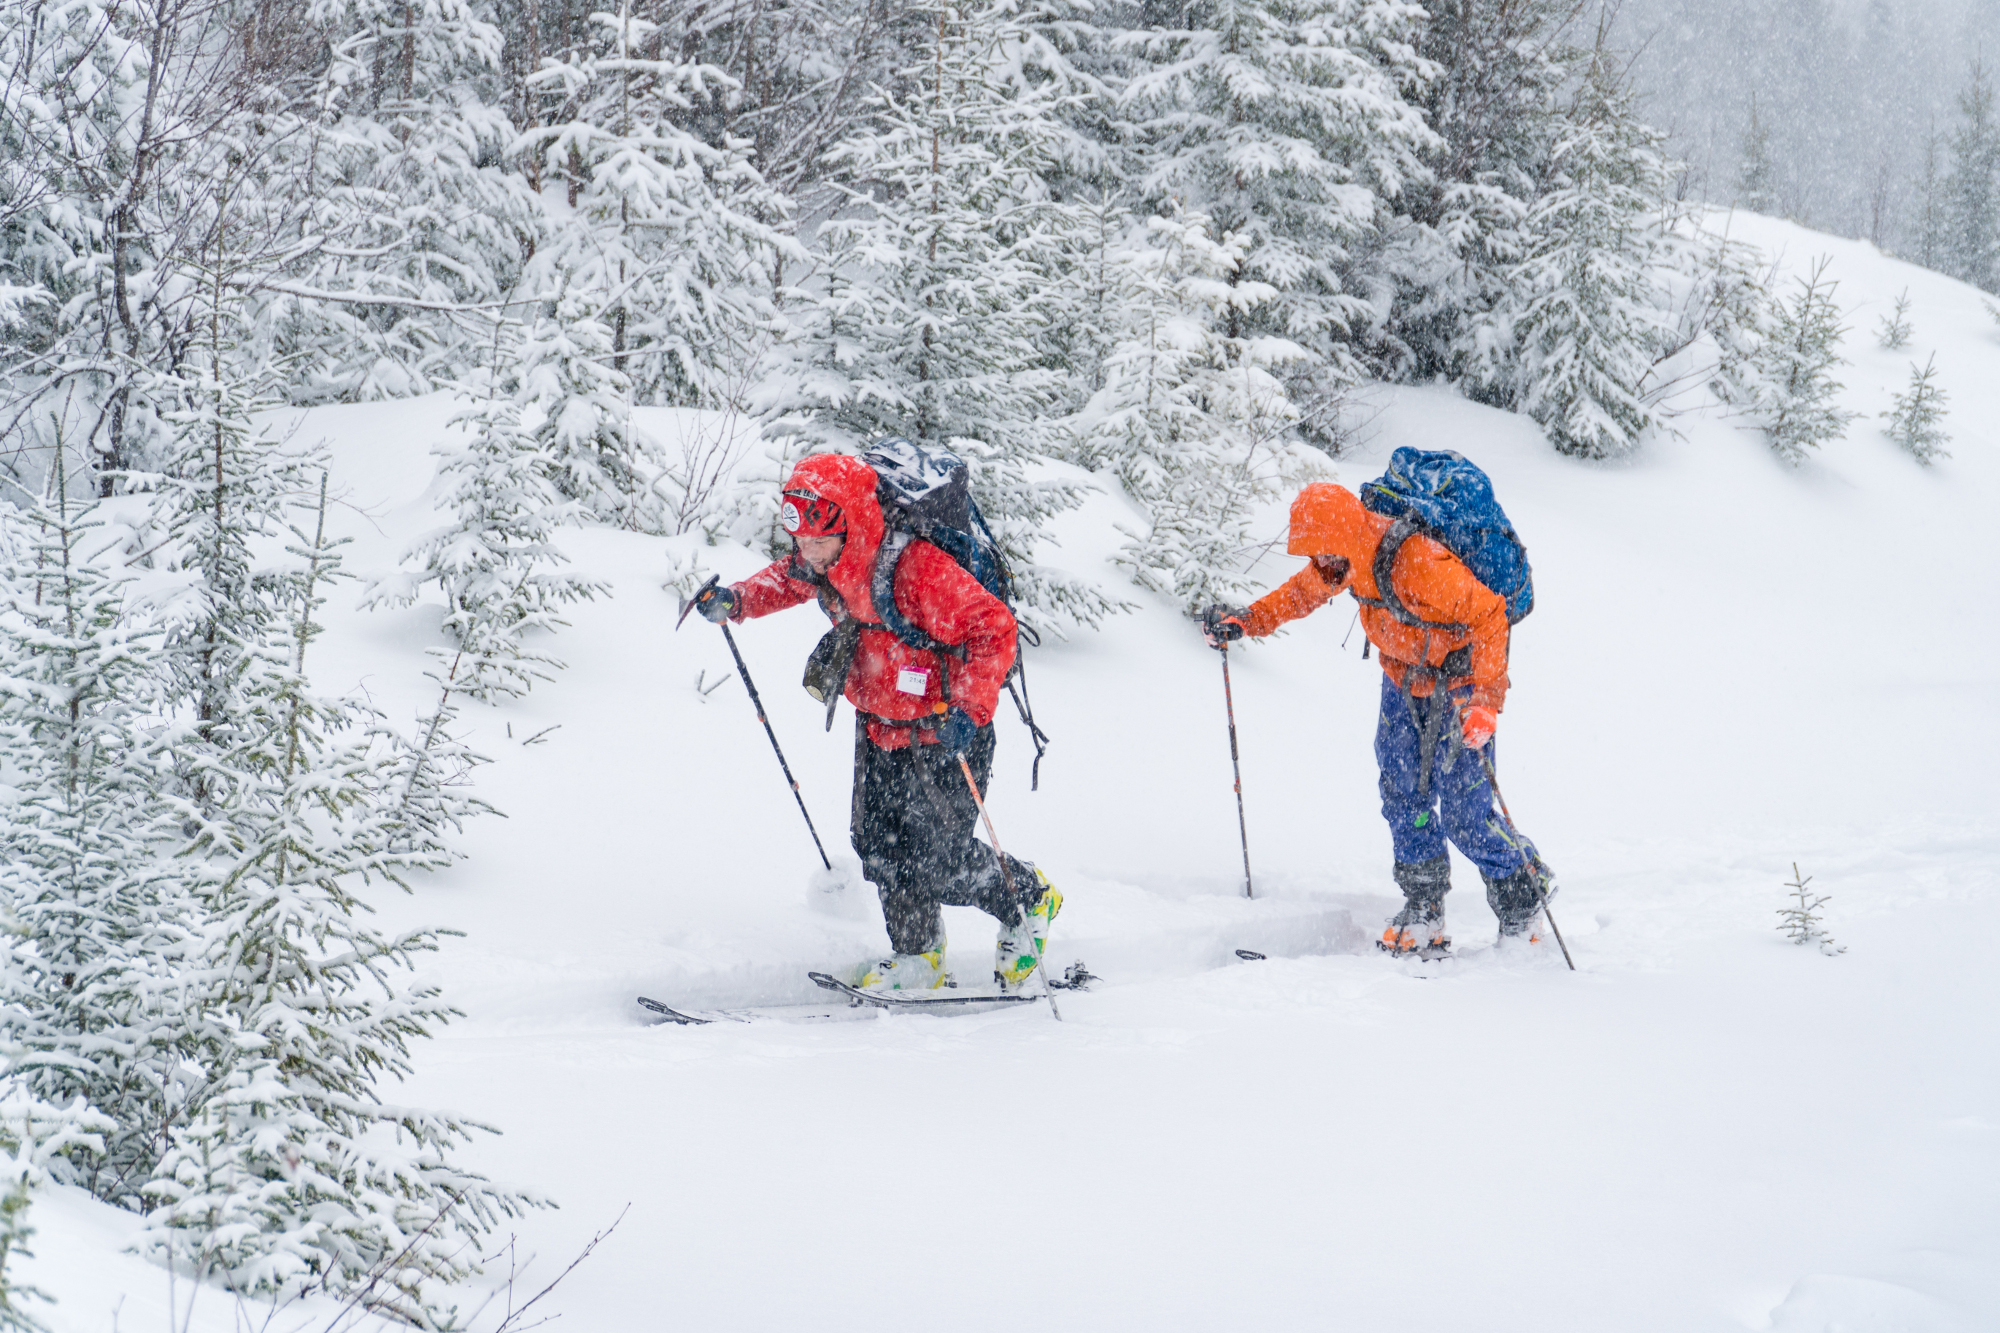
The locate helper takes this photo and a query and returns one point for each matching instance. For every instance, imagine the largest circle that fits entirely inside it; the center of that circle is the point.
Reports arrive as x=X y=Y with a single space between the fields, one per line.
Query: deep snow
x=1733 y=666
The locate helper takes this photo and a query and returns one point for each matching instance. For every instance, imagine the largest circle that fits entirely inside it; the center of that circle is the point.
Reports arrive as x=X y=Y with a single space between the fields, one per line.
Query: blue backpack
x=1443 y=495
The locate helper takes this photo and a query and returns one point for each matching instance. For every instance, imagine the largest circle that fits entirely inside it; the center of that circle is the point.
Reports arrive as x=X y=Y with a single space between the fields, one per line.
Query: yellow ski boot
x=1018 y=951
x=904 y=971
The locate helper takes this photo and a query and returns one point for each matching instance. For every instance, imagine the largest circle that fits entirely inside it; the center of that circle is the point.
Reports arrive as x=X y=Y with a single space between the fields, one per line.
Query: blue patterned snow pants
x=1455 y=787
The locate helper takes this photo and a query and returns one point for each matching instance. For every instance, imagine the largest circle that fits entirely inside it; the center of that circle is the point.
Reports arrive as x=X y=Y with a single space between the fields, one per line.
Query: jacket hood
x=849 y=483
x=1328 y=519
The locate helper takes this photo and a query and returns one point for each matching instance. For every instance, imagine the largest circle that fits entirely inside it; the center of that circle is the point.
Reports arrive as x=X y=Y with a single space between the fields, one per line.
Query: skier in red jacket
x=916 y=714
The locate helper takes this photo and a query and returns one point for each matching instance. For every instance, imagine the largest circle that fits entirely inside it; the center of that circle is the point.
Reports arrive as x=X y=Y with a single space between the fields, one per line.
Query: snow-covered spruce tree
x=1191 y=421
x=1582 y=318
x=1756 y=180
x=400 y=196
x=1291 y=124
x=1495 y=103
x=1916 y=421
x=496 y=561
x=1971 y=249
x=287 y=1173
x=663 y=250
x=220 y=497
x=1786 y=384
x=938 y=280
x=87 y=878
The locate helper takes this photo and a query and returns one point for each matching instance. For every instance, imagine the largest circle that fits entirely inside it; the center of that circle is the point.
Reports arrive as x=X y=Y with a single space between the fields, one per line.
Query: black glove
x=1222 y=624
x=955 y=733
x=717 y=604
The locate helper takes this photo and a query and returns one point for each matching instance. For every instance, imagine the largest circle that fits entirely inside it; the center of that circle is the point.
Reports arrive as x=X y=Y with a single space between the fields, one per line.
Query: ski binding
x=1078 y=977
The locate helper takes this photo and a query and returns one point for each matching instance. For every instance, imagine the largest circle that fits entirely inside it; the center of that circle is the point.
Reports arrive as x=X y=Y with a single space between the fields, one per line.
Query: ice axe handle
x=688 y=603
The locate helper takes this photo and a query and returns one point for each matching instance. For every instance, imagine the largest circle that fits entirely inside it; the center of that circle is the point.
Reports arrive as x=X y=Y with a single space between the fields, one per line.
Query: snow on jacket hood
x=849 y=483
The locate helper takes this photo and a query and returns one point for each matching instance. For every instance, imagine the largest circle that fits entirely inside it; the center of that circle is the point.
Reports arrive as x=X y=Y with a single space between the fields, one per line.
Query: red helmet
x=805 y=514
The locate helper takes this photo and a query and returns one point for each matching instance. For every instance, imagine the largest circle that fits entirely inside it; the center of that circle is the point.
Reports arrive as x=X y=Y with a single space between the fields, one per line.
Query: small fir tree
x=15 y=1233
x=1786 y=382
x=1893 y=329
x=428 y=782
x=1801 y=922
x=221 y=500
x=1916 y=420
x=495 y=563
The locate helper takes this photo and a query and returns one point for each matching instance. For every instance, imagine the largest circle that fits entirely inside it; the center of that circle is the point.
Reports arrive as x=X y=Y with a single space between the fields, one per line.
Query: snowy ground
x=1734 y=666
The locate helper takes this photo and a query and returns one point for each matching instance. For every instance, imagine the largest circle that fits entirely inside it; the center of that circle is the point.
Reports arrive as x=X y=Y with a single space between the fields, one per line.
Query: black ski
x=896 y=999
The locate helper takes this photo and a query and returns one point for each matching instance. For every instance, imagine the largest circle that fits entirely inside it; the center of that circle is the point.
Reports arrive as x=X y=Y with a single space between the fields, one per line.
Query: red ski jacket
x=891 y=683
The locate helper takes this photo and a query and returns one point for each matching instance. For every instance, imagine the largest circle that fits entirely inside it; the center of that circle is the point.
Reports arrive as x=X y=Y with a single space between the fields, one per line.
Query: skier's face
x=821 y=552
x=1333 y=567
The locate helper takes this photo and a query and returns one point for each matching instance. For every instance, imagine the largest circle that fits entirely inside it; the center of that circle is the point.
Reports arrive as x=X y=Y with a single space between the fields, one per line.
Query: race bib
x=912 y=681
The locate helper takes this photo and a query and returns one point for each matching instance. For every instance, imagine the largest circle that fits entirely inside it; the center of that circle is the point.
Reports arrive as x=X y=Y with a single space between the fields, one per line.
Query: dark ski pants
x=913 y=827
x=1453 y=800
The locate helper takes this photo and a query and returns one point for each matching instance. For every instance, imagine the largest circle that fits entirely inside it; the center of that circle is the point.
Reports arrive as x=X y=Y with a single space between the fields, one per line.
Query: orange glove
x=1477 y=725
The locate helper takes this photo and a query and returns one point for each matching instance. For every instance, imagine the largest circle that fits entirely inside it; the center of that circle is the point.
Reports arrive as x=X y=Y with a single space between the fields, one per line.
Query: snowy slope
x=1734 y=665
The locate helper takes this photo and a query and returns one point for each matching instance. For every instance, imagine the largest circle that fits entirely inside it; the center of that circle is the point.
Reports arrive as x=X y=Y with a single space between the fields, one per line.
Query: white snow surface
x=1733 y=666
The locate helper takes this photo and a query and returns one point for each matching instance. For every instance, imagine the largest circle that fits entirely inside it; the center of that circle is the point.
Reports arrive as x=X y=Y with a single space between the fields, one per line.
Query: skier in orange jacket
x=1444 y=684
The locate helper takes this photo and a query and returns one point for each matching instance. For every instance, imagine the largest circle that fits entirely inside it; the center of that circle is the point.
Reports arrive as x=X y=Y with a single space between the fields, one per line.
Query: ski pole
x=758 y=704
x=1243 y=828
x=1007 y=878
x=1493 y=781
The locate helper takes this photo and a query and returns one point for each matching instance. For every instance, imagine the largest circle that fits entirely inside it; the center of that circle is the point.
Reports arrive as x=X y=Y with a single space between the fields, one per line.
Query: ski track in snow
x=1733 y=667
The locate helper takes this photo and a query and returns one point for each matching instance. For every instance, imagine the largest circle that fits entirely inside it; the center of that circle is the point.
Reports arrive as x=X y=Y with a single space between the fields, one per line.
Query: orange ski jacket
x=1431 y=582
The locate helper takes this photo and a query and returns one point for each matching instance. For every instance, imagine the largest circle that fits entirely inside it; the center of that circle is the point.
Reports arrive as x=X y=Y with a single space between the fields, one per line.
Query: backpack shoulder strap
x=882 y=592
x=1384 y=568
